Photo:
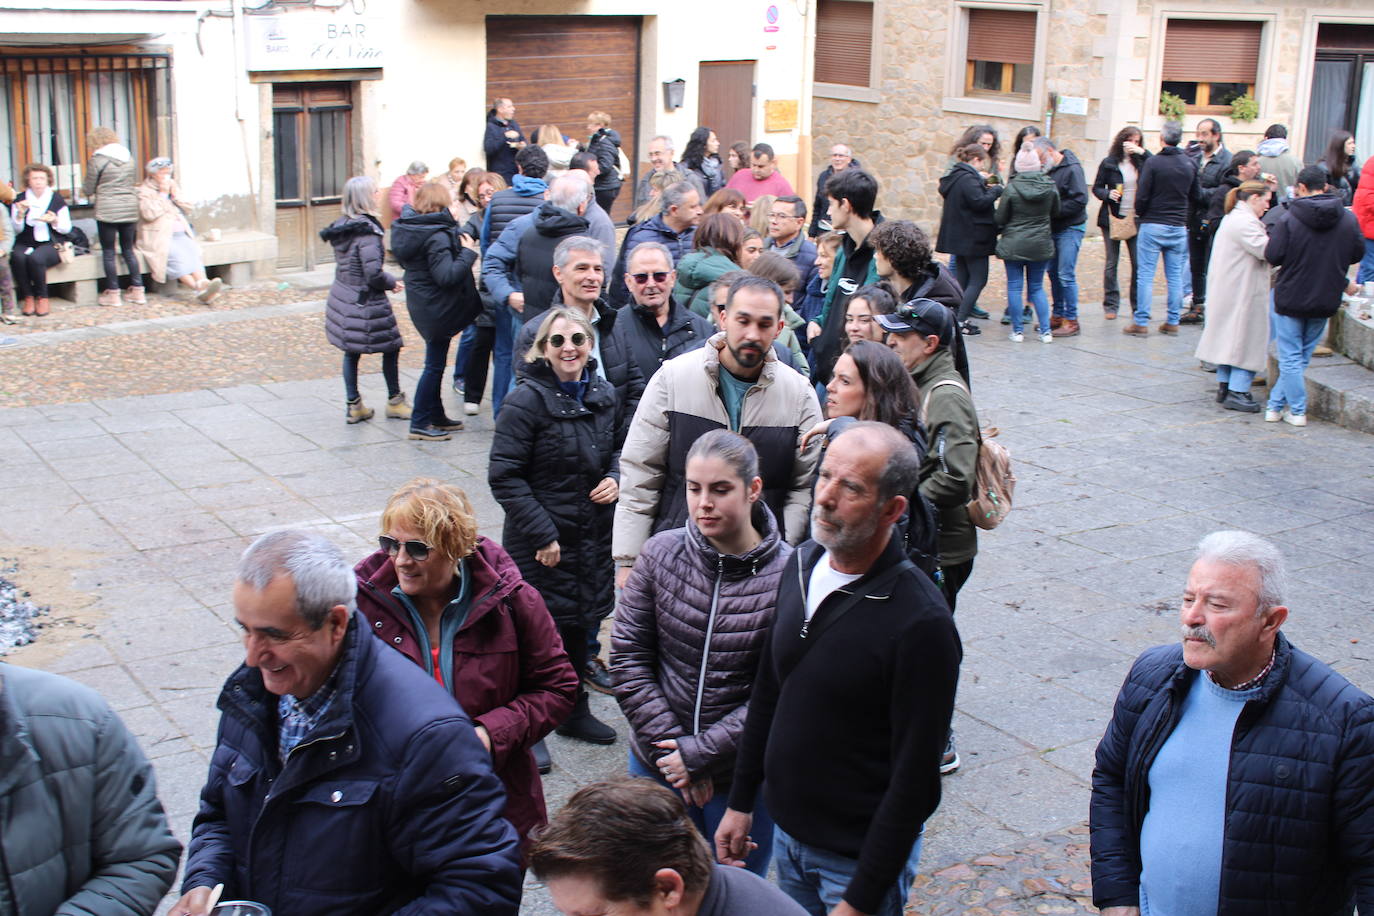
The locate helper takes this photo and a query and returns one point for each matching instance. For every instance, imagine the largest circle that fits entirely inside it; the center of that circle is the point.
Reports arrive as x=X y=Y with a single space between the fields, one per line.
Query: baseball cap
x=920 y=316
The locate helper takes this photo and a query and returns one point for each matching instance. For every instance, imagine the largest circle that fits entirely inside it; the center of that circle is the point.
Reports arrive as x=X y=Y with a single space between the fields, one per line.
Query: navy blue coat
x=1299 y=822
x=389 y=805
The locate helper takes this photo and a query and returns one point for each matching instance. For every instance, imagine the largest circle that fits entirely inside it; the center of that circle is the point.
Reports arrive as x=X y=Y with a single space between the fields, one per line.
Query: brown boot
x=1170 y=329
x=43 y=308
x=134 y=296
x=1068 y=327
x=1135 y=330
x=1056 y=322
x=28 y=305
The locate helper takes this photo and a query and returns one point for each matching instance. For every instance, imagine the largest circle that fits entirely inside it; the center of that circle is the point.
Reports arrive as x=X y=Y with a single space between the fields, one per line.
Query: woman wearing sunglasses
x=454 y=603
x=555 y=470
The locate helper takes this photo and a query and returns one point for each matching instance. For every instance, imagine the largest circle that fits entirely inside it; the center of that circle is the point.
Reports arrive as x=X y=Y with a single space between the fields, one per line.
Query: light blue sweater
x=1181 y=839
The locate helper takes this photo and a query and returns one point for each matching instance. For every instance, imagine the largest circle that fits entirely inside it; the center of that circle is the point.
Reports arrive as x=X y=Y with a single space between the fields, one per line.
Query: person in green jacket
x=715 y=252
x=1024 y=212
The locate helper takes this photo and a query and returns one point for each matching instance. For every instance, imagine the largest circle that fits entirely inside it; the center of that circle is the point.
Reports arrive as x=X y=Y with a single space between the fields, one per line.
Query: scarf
x=37 y=207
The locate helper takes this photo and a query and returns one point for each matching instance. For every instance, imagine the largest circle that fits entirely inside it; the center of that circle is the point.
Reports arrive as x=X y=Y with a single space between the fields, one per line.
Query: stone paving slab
x=138 y=482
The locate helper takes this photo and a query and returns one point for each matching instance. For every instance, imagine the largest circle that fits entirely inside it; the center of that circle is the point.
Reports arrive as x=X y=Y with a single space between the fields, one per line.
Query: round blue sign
x=772 y=14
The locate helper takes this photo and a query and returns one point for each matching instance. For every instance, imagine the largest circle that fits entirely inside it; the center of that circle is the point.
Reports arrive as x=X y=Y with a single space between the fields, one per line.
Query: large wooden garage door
x=558 y=68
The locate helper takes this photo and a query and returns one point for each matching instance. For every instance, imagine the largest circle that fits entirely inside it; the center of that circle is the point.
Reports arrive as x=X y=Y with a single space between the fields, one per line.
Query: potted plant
x=1172 y=106
x=1244 y=108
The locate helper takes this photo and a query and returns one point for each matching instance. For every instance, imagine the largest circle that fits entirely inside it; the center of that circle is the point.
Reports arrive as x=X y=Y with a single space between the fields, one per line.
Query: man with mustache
x=854 y=694
x=1237 y=772
x=734 y=382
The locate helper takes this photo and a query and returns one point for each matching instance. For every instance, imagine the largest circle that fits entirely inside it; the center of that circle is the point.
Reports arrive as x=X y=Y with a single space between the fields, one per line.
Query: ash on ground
x=19 y=621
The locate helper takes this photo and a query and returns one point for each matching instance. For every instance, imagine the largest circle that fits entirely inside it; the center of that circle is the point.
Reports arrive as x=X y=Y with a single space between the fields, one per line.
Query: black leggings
x=31 y=270
x=605 y=198
x=479 y=360
x=972 y=274
x=125 y=233
x=391 y=371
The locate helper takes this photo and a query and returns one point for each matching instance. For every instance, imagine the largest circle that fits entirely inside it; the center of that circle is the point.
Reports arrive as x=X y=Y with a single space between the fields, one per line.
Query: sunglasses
x=557 y=340
x=660 y=276
x=418 y=550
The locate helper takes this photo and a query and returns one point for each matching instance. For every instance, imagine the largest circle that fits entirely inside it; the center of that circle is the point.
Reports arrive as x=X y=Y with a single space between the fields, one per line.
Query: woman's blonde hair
x=439 y=511
x=457 y=161
x=548 y=135
x=541 y=338
x=600 y=117
x=758 y=212
x=100 y=136
x=654 y=205
x=1245 y=191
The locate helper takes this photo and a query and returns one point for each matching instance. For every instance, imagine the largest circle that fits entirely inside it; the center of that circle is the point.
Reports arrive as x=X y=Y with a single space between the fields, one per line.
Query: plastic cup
x=240 y=908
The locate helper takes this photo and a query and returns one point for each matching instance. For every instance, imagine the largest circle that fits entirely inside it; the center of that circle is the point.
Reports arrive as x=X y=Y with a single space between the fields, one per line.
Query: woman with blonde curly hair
x=455 y=604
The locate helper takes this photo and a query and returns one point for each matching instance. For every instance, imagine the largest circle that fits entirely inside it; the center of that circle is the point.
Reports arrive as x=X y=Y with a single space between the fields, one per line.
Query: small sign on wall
x=314 y=39
x=780 y=114
x=1072 y=105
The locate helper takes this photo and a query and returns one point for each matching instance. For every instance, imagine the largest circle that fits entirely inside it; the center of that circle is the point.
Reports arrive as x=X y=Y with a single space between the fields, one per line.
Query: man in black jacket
x=1167 y=189
x=853 y=195
x=1212 y=159
x=653 y=327
x=841 y=158
x=503 y=139
x=1313 y=243
x=1068 y=229
x=1236 y=774
x=853 y=696
x=674 y=227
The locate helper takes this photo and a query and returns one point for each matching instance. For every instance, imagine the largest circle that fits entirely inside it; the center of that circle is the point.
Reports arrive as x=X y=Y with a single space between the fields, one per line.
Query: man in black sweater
x=1168 y=187
x=853 y=697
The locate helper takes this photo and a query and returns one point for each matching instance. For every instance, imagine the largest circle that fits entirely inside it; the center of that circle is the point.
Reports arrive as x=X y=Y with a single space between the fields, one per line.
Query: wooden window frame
x=961 y=96
x=872 y=92
x=1260 y=82
x=1203 y=105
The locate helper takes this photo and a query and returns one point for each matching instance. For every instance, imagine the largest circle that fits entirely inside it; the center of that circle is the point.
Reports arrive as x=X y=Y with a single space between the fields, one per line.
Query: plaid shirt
x=298 y=717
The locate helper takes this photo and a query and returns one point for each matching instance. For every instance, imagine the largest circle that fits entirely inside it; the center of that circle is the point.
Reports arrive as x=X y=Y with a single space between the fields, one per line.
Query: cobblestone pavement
x=131 y=499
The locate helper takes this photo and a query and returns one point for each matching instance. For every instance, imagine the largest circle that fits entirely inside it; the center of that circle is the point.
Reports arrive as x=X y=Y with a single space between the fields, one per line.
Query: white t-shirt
x=824 y=580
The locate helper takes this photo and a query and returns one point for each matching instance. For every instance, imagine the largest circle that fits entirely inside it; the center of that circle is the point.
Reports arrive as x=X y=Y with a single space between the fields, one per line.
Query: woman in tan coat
x=1237 y=331
x=164 y=233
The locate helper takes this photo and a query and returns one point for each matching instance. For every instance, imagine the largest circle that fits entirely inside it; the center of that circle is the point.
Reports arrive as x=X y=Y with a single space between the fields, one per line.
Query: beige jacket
x=1237 y=329
x=157 y=221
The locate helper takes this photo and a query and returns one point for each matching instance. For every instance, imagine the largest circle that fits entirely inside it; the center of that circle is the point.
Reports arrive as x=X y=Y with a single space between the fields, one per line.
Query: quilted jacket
x=689 y=631
x=357 y=315
x=1299 y=812
x=81 y=829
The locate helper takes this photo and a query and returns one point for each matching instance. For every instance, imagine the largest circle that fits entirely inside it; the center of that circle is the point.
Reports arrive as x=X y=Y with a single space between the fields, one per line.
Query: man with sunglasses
x=345 y=780
x=654 y=327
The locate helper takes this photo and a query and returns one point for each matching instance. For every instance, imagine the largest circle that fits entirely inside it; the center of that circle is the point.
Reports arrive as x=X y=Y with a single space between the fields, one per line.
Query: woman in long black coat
x=1115 y=184
x=441 y=296
x=555 y=470
x=967 y=227
x=358 y=318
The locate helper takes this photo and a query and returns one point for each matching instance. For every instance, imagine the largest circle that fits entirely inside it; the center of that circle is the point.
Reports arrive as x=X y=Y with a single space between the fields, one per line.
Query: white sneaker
x=1273 y=416
x=1016 y=337
x=470 y=408
x=1295 y=419
x=1047 y=337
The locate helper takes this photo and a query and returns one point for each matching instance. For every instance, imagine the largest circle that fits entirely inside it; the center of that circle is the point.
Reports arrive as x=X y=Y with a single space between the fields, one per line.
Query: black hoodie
x=1073 y=193
x=1313 y=244
x=441 y=295
x=534 y=257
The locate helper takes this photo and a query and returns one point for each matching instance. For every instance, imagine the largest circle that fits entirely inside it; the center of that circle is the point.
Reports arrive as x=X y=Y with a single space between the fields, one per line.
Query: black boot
x=584 y=726
x=1221 y=391
x=541 y=757
x=1242 y=401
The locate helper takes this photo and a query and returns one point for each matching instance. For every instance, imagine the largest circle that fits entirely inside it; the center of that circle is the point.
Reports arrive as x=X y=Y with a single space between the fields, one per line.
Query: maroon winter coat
x=512 y=675
x=689 y=631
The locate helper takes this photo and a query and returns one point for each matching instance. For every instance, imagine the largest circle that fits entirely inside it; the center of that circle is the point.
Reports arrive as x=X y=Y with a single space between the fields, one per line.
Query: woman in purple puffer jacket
x=693 y=621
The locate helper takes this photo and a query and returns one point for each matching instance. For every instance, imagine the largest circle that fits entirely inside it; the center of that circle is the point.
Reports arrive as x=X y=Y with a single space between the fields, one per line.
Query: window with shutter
x=1001 y=52
x=844 y=42
x=1209 y=63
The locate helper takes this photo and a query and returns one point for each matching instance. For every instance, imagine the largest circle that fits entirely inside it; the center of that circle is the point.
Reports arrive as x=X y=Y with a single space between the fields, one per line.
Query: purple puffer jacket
x=688 y=634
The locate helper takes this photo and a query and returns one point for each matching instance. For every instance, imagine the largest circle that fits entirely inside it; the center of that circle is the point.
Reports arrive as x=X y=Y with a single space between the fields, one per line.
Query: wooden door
x=726 y=101
x=312 y=149
x=557 y=69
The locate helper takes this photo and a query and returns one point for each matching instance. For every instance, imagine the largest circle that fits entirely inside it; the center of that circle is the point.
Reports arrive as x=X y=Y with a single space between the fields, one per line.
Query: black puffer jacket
x=548 y=453
x=649 y=345
x=967 y=226
x=357 y=315
x=689 y=631
x=1313 y=243
x=1299 y=834
x=441 y=295
x=618 y=365
x=605 y=146
x=534 y=255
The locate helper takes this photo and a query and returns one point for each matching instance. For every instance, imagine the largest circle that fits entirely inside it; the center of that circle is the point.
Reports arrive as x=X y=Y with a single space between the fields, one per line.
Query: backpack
x=994 y=481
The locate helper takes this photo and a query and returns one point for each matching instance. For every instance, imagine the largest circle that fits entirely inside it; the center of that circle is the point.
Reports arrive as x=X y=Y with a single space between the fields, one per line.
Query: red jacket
x=513 y=677
x=1364 y=200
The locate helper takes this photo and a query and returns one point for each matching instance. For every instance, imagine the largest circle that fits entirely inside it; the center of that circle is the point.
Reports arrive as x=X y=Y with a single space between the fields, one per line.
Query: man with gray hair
x=403 y=189
x=1237 y=772
x=660 y=153
x=853 y=696
x=1167 y=189
x=654 y=326
x=674 y=227
x=518 y=267
x=344 y=780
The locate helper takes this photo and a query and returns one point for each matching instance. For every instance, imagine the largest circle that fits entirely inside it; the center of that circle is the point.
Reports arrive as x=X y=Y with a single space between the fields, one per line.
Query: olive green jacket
x=950 y=467
x=1024 y=212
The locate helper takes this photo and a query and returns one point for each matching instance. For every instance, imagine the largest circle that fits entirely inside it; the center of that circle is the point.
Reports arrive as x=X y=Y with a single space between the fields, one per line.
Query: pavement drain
x=19 y=623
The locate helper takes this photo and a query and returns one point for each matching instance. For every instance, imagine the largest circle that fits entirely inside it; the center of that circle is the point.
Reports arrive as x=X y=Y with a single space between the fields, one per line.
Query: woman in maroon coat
x=455 y=604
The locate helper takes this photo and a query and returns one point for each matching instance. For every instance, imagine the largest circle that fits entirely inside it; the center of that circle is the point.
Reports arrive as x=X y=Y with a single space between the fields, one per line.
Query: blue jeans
x=503 y=367
x=817 y=879
x=1030 y=274
x=460 y=362
x=1152 y=240
x=708 y=818
x=429 y=403
x=1064 y=273
x=1366 y=271
x=1295 y=339
x=1235 y=379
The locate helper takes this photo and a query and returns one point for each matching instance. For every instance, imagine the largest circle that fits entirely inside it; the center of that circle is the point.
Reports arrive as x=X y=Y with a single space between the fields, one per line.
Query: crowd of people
x=781 y=528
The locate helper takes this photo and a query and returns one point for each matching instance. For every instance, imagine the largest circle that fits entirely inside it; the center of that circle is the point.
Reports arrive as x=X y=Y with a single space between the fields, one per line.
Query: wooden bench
x=235 y=258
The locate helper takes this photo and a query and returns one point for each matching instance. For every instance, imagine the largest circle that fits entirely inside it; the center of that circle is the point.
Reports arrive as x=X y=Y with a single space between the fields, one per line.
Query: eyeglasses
x=557 y=340
x=418 y=550
x=782 y=216
x=660 y=276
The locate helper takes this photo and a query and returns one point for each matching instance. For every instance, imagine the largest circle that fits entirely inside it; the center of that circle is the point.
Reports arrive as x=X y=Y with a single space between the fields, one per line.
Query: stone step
x=1340 y=388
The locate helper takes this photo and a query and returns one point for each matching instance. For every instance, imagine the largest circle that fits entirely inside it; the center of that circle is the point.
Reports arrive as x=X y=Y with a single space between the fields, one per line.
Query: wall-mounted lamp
x=674 y=92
